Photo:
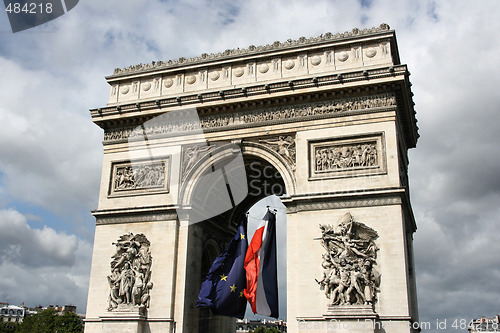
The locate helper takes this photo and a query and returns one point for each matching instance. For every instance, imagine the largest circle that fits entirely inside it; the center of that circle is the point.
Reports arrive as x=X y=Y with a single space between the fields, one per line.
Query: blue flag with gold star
x=222 y=291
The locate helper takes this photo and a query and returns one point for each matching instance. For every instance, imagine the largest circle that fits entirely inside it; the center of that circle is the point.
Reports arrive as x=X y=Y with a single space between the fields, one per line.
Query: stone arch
x=219 y=229
x=211 y=250
x=228 y=151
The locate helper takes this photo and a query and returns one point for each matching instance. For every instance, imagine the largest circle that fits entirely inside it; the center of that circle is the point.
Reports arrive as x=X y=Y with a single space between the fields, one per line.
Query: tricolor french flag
x=261 y=269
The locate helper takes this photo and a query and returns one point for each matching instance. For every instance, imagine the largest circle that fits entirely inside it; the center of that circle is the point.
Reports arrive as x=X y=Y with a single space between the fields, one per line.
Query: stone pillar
x=158 y=316
x=309 y=310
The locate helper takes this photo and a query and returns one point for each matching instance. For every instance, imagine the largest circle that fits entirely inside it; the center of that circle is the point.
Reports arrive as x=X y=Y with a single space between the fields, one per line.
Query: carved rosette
x=130 y=279
x=349 y=276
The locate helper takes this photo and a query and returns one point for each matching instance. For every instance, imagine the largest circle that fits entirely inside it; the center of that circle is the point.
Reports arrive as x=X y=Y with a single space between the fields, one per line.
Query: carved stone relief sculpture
x=130 y=279
x=129 y=178
x=347 y=156
x=283 y=145
x=141 y=176
x=191 y=155
x=349 y=275
x=253 y=117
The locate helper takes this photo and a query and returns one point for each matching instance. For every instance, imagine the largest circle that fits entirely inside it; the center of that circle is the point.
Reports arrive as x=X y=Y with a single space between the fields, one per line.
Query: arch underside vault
x=230 y=179
x=238 y=177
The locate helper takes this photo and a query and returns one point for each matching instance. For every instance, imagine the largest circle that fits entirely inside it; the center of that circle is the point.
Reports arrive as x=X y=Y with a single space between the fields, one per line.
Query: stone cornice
x=304 y=59
x=255 y=117
x=208 y=99
x=376 y=81
x=135 y=215
x=352 y=199
x=250 y=51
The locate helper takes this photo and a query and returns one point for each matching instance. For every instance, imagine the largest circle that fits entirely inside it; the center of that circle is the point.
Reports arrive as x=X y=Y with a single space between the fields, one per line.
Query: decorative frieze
x=252 y=117
x=139 y=177
x=347 y=157
x=130 y=279
x=349 y=276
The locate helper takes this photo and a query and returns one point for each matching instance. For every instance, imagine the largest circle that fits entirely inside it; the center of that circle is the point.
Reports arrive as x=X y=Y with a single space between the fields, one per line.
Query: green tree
x=42 y=322
x=48 y=321
x=264 y=330
x=68 y=323
x=258 y=330
x=8 y=326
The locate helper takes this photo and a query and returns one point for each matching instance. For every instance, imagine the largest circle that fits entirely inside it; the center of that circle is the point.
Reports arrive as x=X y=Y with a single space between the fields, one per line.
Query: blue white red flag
x=261 y=269
x=222 y=291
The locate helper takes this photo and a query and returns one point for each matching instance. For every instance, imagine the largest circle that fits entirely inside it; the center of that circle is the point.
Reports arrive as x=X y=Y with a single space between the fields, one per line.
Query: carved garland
x=130 y=279
x=349 y=275
x=253 y=117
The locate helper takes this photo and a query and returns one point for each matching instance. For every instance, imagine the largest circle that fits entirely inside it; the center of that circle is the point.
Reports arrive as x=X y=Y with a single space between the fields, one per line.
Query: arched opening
x=262 y=180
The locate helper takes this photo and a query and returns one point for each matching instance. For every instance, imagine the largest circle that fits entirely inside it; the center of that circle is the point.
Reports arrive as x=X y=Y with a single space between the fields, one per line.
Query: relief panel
x=139 y=177
x=347 y=157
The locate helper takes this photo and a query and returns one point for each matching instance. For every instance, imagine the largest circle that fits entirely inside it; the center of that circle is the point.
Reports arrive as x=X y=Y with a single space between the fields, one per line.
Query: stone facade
x=332 y=117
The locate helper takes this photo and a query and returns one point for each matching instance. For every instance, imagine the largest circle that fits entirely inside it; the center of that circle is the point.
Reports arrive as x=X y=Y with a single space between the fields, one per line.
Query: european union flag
x=222 y=291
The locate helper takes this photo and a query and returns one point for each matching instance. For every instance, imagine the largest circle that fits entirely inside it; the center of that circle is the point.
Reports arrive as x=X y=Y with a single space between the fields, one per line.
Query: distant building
x=484 y=324
x=15 y=313
x=57 y=308
x=245 y=325
x=12 y=313
x=62 y=309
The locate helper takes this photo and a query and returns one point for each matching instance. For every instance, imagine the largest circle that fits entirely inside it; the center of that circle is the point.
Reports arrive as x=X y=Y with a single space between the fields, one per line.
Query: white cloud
x=49 y=148
x=51 y=154
x=41 y=266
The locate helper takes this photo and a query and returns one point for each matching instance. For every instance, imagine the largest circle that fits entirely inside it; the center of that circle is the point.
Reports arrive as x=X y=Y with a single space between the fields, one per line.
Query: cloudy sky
x=50 y=151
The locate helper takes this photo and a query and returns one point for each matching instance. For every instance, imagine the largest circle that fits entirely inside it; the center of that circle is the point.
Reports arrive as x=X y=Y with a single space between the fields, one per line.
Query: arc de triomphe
x=190 y=145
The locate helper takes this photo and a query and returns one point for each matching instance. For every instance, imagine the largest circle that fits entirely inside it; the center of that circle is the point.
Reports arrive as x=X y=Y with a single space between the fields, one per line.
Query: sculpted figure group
x=140 y=176
x=251 y=117
x=349 y=276
x=130 y=279
x=283 y=145
x=352 y=156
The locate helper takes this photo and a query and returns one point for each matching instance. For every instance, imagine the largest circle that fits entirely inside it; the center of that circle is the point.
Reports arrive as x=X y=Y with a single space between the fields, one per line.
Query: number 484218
x=29 y=8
